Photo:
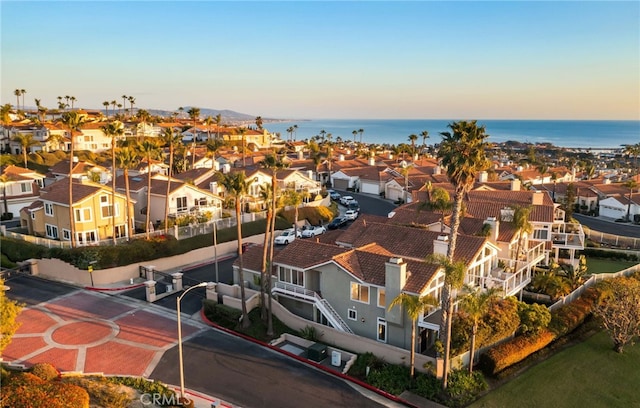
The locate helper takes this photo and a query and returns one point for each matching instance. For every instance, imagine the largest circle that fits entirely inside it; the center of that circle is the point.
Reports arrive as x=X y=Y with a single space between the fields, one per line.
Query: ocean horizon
x=585 y=134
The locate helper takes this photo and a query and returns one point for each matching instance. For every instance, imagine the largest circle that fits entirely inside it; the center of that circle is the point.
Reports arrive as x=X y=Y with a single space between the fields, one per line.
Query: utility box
x=317 y=352
x=336 y=358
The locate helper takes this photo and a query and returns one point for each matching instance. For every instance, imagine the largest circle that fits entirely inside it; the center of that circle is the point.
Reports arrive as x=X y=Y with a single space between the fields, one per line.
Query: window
x=540 y=234
x=359 y=292
x=382 y=330
x=25 y=187
x=181 y=204
x=48 y=209
x=88 y=138
x=352 y=314
x=106 y=208
x=120 y=231
x=83 y=214
x=87 y=237
x=33 y=216
x=52 y=231
x=382 y=302
x=200 y=202
x=291 y=276
x=66 y=235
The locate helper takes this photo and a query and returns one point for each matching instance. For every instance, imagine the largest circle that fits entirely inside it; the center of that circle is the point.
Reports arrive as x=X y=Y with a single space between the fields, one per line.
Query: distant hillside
x=228 y=116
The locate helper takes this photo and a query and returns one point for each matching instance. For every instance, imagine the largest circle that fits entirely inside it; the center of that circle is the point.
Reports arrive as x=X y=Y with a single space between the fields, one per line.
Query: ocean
x=596 y=134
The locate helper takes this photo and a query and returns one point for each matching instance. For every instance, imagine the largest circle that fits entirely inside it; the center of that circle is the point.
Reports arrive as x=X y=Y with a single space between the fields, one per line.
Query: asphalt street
x=370 y=204
x=248 y=375
x=616 y=228
x=32 y=290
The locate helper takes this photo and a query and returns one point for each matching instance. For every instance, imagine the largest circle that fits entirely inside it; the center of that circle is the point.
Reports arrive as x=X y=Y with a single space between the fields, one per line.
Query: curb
x=96 y=289
x=308 y=362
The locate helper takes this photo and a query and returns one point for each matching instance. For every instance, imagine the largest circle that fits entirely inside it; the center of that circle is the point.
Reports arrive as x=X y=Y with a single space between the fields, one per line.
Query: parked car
x=337 y=223
x=335 y=196
x=353 y=205
x=351 y=214
x=287 y=237
x=313 y=231
x=345 y=200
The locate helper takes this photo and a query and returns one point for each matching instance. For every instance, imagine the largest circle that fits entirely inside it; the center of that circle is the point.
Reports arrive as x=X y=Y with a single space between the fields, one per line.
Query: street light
x=199 y=285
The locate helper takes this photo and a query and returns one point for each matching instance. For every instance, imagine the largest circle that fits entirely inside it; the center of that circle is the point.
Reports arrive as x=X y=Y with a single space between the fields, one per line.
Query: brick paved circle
x=87 y=333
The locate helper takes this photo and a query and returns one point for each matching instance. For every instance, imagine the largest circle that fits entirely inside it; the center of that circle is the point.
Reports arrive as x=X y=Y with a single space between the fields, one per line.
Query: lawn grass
x=589 y=374
x=595 y=265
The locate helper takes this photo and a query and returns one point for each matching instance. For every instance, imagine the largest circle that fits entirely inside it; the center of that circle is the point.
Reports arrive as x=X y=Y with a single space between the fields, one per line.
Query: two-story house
x=19 y=187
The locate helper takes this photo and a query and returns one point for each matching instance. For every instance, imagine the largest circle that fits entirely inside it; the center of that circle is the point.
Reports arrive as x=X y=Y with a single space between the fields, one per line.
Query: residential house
x=92 y=208
x=19 y=187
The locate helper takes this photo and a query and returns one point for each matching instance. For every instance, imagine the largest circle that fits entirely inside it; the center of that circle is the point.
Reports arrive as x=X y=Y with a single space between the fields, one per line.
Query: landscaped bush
x=45 y=371
x=533 y=318
x=315 y=215
x=102 y=392
x=463 y=387
x=513 y=351
x=18 y=250
x=392 y=378
x=25 y=390
x=6 y=262
x=35 y=158
x=50 y=159
x=622 y=256
x=568 y=317
x=145 y=386
x=223 y=315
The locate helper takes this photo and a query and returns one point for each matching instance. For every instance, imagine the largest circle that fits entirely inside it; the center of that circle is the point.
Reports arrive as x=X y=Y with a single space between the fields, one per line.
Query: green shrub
x=309 y=333
x=223 y=315
x=359 y=367
x=49 y=158
x=60 y=154
x=6 y=262
x=463 y=387
x=391 y=378
x=533 y=317
x=102 y=392
x=45 y=371
x=568 y=317
x=598 y=253
x=18 y=250
x=35 y=158
x=513 y=351
x=25 y=390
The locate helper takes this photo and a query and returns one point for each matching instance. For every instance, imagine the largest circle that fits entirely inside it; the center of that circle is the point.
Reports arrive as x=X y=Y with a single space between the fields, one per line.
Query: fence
x=590 y=282
x=613 y=240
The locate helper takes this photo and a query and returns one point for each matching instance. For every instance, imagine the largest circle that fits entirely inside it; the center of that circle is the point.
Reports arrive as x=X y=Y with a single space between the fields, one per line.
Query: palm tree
x=170 y=139
x=354 y=133
x=476 y=303
x=290 y=132
x=361 y=131
x=4 y=179
x=631 y=184
x=259 y=122
x=265 y=195
x=218 y=120
x=66 y=98
x=208 y=121
x=113 y=130
x=194 y=113
x=242 y=132
x=132 y=101
x=4 y=113
x=425 y=136
x=237 y=186
x=17 y=94
x=74 y=123
x=462 y=152
x=26 y=141
x=106 y=108
x=22 y=92
x=295 y=128
x=293 y=198
x=57 y=140
x=127 y=158
x=521 y=223
x=439 y=201
x=274 y=164
x=72 y=99
x=150 y=151
x=124 y=103
x=113 y=104
x=415 y=307
x=412 y=138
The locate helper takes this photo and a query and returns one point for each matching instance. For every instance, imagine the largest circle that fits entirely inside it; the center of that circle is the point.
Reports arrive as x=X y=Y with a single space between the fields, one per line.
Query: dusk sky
x=430 y=60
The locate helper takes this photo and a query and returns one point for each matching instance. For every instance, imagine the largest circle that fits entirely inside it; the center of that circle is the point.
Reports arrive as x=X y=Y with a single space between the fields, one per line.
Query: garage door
x=370 y=188
x=340 y=184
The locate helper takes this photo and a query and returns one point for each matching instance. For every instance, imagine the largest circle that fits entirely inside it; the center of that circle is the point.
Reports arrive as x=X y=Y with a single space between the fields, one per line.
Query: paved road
x=616 y=228
x=32 y=290
x=370 y=204
x=245 y=374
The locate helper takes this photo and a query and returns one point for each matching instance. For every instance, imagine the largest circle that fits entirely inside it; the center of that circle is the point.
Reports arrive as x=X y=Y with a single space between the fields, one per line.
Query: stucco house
x=19 y=187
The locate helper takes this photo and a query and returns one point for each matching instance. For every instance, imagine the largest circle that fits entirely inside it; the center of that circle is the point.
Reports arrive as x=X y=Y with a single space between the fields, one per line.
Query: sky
x=341 y=59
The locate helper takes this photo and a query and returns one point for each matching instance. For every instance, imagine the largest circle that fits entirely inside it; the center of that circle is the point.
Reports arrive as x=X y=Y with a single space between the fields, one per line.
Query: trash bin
x=336 y=358
x=317 y=352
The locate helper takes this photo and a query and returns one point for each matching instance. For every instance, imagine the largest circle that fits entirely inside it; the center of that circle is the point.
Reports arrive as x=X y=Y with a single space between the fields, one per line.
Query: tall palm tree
x=354 y=133
x=462 y=152
x=425 y=136
x=113 y=104
x=170 y=139
x=237 y=186
x=295 y=128
x=17 y=94
x=361 y=131
x=265 y=195
x=439 y=201
x=242 y=132
x=274 y=164
x=150 y=151
x=132 y=101
x=26 y=141
x=414 y=306
x=113 y=130
x=66 y=98
x=128 y=158
x=57 y=140
x=293 y=198
x=124 y=103
x=259 y=122
x=72 y=99
x=218 y=120
x=631 y=184
x=208 y=121
x=22 y=92
x=412 y=138
x=522 y=224
x=476 y=304
x=74 y=123
x=194 y=114
x=106 y=108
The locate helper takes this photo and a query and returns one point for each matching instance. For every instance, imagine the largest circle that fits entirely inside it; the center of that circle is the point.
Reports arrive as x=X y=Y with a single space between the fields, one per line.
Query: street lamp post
x=181 y=362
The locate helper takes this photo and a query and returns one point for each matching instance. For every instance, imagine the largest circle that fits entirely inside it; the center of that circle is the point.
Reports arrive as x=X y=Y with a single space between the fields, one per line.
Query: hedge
x=25 y=390
x=598 y=253
x=513 y=351
x=570 y=316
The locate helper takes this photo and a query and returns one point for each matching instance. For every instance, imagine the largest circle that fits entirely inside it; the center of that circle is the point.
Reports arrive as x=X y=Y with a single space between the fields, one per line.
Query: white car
x=351 y=214
x=313 y=231
x=287 y=237
x=345 y=200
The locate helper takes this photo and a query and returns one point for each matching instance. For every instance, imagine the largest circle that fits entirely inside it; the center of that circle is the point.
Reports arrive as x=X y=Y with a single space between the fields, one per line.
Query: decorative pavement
x=96 y=333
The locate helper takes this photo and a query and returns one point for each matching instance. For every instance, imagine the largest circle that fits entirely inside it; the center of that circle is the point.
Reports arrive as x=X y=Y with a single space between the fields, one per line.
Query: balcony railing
x=567 y=235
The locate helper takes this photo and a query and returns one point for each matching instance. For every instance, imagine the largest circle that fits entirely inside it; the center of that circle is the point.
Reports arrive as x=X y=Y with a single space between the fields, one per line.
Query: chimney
x=341 y=157
x=216 y=165
x=441 y=245
x=495 y=228
x=483 y=177
x=515 y=185
x=213 y=186
x=372 y=161
x=300 y=155
x=395 y=272
x=520 y=168
x=537 y=198
x=437 y=170
x=390 y=156
x=310 y=174
x=75 y=159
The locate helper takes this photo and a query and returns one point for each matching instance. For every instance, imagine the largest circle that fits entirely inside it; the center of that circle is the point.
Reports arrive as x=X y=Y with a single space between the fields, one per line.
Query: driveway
x=371 y=204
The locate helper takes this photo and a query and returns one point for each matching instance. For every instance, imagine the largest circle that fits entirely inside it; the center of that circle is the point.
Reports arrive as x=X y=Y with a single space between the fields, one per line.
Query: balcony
x=567 y=236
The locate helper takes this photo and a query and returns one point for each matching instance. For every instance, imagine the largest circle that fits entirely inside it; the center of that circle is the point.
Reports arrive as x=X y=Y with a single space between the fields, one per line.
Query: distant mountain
x=228 y=116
